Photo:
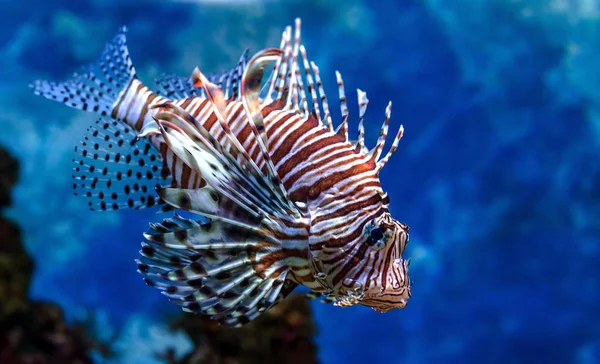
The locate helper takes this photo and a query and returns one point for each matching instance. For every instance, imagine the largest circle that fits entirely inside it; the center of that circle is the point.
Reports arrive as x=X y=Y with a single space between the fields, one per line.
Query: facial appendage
x=369 y=270
x=390 y=287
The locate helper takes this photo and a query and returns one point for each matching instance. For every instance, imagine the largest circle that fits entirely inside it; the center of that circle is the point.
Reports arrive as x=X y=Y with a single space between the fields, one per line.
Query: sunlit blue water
x=497 y=174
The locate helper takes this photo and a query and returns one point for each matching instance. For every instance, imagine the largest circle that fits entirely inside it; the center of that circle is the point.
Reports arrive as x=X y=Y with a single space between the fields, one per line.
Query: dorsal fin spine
x=363 y=101
x=250 y=97
x=274 y=77
x=376 y=152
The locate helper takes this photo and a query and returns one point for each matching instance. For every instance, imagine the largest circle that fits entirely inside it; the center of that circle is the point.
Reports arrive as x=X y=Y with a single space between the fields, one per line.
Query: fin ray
x=114 y=169
x=100 y=84
x=218 y=277
x=175 y=87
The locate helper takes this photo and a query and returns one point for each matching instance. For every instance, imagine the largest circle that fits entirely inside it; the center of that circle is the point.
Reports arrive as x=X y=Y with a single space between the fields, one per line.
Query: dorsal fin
x=363 y=101
x=311 y=84
x=287 y=75
x=250 y=97
x=393 y=148
x=343 y=102
x=175 y=87
x=294 y=72
x=273 y=86
x=323 y=97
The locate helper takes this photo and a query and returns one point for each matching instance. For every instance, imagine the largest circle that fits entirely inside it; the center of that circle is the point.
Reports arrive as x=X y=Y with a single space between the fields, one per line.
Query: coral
x=281 y=335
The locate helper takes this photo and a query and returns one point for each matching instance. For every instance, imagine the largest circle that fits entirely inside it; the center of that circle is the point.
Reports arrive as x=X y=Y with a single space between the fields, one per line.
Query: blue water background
x=498 y=174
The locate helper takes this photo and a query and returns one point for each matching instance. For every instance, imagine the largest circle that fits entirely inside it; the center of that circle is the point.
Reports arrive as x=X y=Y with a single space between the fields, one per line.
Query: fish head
x=387 y=285
x=369 y=270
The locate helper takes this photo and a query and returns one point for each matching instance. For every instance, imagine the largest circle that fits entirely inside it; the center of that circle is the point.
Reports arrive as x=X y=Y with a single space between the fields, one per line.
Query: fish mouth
x=387 y=301
x=400 y=305
x=396 y=292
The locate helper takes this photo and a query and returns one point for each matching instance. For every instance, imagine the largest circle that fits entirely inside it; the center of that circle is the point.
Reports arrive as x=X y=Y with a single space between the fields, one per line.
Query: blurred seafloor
x=497 y=174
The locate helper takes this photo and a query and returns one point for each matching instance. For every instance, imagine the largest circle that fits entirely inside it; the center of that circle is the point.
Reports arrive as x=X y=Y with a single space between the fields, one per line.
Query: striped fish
x=283 y=198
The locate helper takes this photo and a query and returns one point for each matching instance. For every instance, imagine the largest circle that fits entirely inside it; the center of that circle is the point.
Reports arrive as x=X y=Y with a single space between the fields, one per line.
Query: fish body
x=286 y=199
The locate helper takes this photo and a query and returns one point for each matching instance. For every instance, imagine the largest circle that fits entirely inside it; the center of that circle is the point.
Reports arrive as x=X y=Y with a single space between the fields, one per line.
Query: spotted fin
x=231 y=81
x=98 y=87
x=175 y=87
x=114 y=169
x=214 y=268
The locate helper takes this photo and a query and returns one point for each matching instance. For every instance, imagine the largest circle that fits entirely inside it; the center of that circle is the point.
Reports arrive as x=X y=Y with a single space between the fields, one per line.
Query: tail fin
x=100 y=85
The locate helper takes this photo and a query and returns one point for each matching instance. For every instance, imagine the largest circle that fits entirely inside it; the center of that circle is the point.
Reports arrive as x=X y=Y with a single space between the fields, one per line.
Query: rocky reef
x=281 y=335
x=9 y=172
x=31 y=332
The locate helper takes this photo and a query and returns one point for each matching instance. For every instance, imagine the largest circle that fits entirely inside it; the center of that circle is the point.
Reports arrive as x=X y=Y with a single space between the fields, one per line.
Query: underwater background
x=498 y=173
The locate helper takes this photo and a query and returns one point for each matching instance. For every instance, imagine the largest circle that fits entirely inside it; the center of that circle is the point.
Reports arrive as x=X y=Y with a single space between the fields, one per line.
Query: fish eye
x=377 y=235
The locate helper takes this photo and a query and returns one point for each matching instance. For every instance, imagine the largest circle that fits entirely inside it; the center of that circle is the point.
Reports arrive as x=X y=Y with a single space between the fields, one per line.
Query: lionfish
x=283 y=199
